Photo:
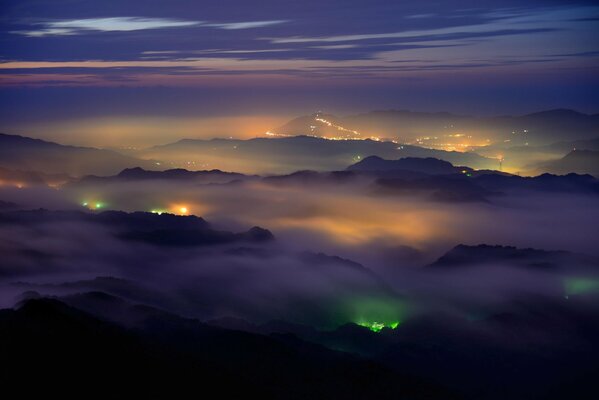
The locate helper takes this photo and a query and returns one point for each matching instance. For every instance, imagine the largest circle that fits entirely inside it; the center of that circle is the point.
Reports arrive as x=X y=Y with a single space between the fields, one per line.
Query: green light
x=159 y=212
x=574 y=286
x=99 y=205
x=378 y=326
x=378 y=313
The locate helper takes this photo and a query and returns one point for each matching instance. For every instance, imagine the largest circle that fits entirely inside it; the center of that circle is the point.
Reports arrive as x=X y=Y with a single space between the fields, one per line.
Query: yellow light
x=183 y=210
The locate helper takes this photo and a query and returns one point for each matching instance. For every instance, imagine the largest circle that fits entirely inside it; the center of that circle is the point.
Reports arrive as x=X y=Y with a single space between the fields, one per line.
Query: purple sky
x=72 y=60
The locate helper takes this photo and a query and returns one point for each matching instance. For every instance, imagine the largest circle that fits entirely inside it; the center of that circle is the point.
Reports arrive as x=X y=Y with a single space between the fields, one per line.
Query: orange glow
x=341 y=218
x=137 y=131
x=180 y=209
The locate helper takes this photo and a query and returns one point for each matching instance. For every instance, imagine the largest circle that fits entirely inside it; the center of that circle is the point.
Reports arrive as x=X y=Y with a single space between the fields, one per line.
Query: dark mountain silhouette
x=164 y=229
x=545 y=347
x=179 y=174
x=196 y=237
x=546 y=182
x=138 y=220
x=406 y=175
x=540 y=345
x=431 y=166
x=23 y=153
x=465 y=255
x=577 y=161
x=170 y=356
x=461 y=183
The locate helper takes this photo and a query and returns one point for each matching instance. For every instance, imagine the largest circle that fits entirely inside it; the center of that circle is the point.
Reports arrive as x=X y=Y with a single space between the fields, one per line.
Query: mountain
x=441 y=179
x=397 y=124
x=157 y=229
x=535 y=129
x=431 y=166
x=567 y=146
x=551 y=340
x=290 y=154
x=572 y=183
x=578 y=161
x=44 y=340
x=319 y=125
x=539 y=128
x=23 y=153
x=465 y=256
x=214 y=176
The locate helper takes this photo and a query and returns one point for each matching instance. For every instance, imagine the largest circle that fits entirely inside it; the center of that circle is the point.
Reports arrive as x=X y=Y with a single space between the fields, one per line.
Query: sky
x=153 y=71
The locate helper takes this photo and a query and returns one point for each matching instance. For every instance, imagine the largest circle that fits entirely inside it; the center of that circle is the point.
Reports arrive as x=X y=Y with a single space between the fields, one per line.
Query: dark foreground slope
x=51 y=347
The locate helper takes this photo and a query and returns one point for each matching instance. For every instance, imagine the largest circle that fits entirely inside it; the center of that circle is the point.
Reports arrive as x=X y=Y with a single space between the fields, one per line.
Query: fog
x=341 y=252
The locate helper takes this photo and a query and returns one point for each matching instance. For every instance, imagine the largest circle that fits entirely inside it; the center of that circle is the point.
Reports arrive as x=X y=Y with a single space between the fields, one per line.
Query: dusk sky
x=159 y=69
x=287 y=199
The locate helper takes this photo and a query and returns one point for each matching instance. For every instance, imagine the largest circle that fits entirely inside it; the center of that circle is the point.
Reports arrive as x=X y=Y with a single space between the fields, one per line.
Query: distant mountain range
x=439 y=180
x=527 y=143
x=177 y=174
x=467 y=256
x=578 y=161
x=538 y=128
x=23 y=153
x=289 y=154
x=428 y=165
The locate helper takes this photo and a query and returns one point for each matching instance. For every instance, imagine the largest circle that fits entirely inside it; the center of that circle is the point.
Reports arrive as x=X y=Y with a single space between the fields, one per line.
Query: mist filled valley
x=299 y=200
x=398 y=261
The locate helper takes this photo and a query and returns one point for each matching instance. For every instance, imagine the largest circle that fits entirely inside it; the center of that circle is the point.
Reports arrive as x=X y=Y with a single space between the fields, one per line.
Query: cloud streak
x=129 y=24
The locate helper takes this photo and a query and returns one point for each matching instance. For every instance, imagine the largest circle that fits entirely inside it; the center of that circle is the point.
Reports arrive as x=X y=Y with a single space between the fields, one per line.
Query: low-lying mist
x=341 y=253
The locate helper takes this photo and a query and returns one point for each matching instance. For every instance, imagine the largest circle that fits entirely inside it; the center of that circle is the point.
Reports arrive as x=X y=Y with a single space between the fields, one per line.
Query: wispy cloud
x=127 y=24
x=114 y=24
x=214 y=51
x=336 y=46
x=411 y=35
x=246 y=25
x=498 y=23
